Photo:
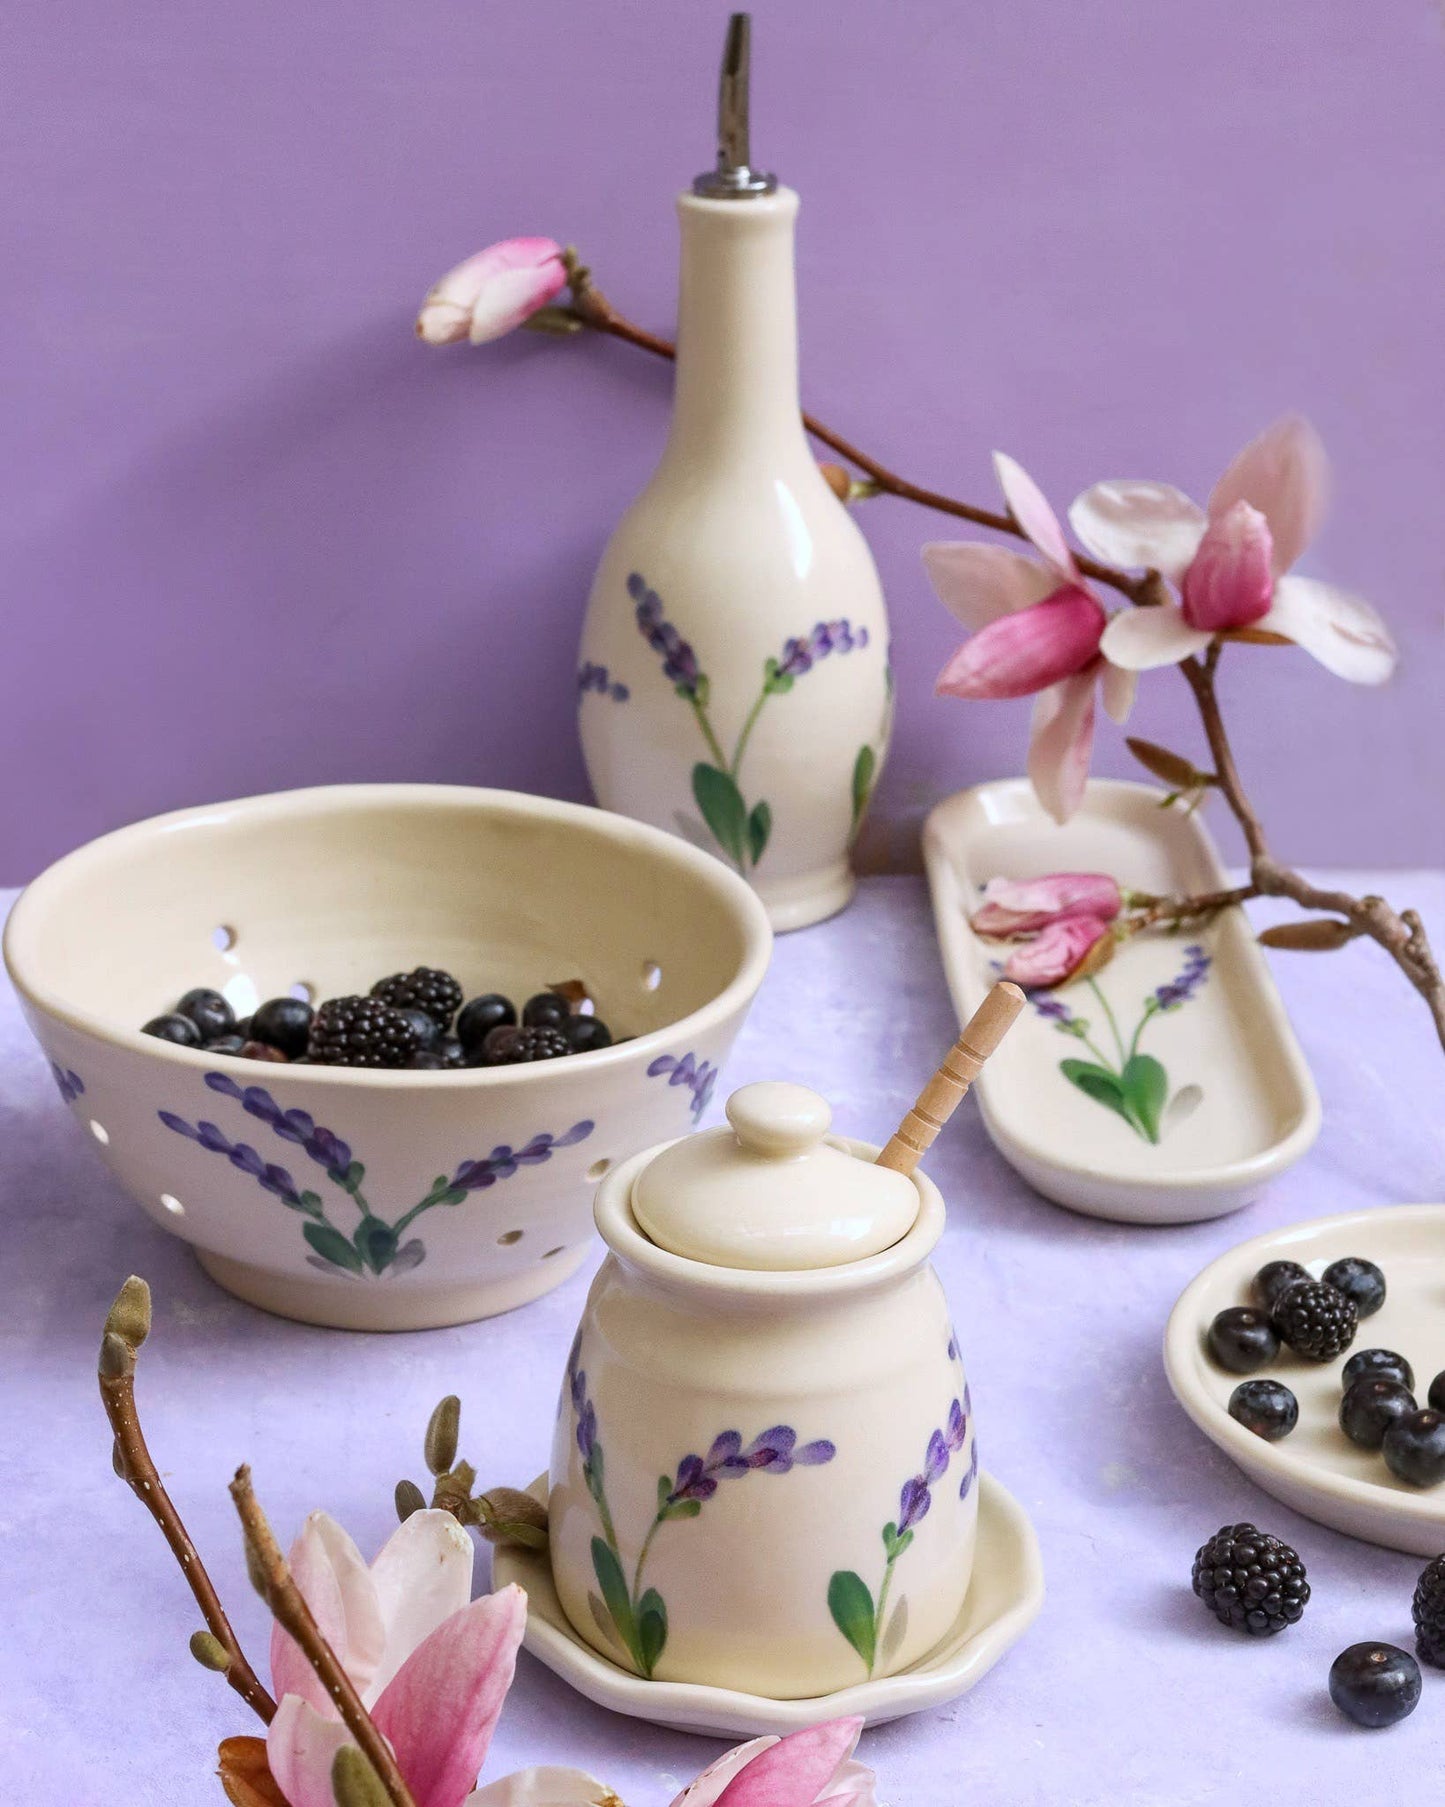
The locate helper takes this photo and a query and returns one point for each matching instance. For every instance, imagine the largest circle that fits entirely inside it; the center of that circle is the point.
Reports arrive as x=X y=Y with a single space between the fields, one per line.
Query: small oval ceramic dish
x=1316 y=1469
x=1228 y=1103
x=373 y=1199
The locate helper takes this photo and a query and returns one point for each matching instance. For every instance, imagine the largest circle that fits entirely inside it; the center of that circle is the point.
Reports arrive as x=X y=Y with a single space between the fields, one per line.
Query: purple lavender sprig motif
x=597 y=677
x=70 y=1085
x=634 y=1614
x=699 y=1076
x=860 y=1618
x=1180 y=989
x=741 y=829
x=375 y=1246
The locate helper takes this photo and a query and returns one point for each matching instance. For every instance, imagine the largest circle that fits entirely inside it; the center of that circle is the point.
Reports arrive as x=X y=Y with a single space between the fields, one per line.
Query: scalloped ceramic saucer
x=1003 y=1601
x=1316 y=1469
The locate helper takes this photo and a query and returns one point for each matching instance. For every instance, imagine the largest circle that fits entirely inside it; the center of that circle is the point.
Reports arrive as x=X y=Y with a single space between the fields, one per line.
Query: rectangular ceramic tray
x=1240 y=1105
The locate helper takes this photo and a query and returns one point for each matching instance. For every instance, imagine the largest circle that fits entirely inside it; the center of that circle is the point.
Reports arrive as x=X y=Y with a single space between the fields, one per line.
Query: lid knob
x=777 y=1119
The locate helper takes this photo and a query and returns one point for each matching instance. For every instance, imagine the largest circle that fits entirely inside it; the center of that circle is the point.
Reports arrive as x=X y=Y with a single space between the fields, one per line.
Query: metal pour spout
x=734 y=178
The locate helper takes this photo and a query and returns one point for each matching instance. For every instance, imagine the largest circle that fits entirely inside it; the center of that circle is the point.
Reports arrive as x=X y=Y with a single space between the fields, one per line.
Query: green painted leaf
x=760 y=826
x=664 y=1489
x=376 y=1241
x=610 y=1579
x=1098 y=1083
x=702 y=690
x=1146 y=1089
x=311 y=1204
x=332 y=1246
x=865 y=768
x=851 y=1605
x=684 y=1509
x=722 y=806
x=651 y=1628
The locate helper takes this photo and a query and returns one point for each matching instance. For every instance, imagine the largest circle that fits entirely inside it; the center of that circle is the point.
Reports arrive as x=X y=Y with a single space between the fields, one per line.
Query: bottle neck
x=736 y=390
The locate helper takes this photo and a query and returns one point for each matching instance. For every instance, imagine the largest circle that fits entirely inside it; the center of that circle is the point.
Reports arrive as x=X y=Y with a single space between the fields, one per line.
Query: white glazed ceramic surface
x=735 y=1456
x=1316 y=1469
x=1004 y=1599
x=382 y=1200
x=1242 y=1103
x=737 y=554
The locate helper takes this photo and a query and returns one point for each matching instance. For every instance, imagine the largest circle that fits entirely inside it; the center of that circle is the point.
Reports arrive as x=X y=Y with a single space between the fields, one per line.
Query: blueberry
x=1274 y=1279
x=226 y=1044
x=284 y=1023
x=1359 y=1280
x=1377 y=1364
x=451 y=1051
x=1243 y=1339
x=209 y=1011
x=1437 y=1392
x=481 y=1016
x=428 y=1030
x=1375 y=1684
x=548 y=1010
x=1370 y=1407
x=174 y=1028
x=1415 y=1449
x=426 y=1060
x=586 y=1033
x=1266 y=1407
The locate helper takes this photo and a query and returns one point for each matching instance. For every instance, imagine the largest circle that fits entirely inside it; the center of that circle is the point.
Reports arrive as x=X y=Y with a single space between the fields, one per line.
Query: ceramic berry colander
x=371 y=1199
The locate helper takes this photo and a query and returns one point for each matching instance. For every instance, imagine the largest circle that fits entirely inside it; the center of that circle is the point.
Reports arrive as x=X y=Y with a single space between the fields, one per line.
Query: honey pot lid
x=772 y=1191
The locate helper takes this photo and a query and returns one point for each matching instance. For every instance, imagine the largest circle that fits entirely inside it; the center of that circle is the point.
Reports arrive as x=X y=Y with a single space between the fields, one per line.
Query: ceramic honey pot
x=763 y=1469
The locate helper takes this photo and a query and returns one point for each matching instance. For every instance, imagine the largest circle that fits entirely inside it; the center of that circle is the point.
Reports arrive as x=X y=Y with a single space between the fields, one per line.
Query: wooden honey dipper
x=943 y=1094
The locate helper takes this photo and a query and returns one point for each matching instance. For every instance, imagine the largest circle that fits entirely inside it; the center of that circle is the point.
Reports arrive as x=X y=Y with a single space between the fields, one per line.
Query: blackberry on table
x=361 y=1032
x=1316 y=1321
x=1250 y=1580
x=1429 y=1612
x=512 y=1047
x=423 y=988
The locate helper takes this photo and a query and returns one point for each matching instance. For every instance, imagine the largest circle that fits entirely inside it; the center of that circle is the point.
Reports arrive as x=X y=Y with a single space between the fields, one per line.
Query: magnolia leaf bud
x=129 y=1317
x=506 y=1515
x=117 y=1357
x=1176 y=771
x=210 y=1652
x=441 y=1435
x=256 y=1571
x=409 y=1499
x=837 y=480
x=354 y=1782
x=1320 y=935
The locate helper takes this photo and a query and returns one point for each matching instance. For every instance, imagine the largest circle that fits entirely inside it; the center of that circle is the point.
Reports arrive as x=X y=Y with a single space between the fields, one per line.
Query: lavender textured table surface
x=1124 y=1691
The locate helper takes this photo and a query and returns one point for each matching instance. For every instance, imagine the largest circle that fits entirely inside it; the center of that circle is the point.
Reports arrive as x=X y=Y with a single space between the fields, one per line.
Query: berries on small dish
x=1414 y=1448
x=1243 y=1339
x=1316 y=1321
x=1375 y=1684
x=1371 y=1406
x=1275 y=1278
x=1377 y=1364
x=1428 y=1610
x=1359 y=1280
x=1250 y=1580
x=1266 y=1407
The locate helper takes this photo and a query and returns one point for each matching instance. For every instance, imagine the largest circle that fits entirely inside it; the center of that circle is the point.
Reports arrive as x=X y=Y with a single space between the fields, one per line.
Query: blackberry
x=1251 y=1581
x=361 y=1032
x=1316 y=1321
x=1429 y=1610
x=1275 y=1279
x=515 y=1046
x=260 y=1051
x=423 y=988
x=1359 y=1280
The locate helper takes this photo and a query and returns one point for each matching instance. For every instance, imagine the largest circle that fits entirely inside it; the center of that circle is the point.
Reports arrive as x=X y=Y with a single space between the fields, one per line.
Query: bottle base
x=797 y=903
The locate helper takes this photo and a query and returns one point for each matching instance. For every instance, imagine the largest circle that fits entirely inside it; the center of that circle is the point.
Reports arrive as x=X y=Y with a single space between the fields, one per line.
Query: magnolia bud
x=409 y=1499
x=210 y=1652
x=354 y=1782
x=129 y=1317
x=441 y=1435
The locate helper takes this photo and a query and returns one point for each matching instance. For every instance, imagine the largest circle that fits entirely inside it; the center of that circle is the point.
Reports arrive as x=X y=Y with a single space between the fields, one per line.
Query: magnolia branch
x=1400 y=933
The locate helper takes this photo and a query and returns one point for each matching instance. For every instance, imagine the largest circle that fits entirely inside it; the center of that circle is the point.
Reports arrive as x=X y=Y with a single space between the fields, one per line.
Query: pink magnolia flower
x=1023 y=906
x=492 y=292
x=805 y=1769
x=1049 y=957
x=432 y=1665
x=1038 y=629
x=1231 y=562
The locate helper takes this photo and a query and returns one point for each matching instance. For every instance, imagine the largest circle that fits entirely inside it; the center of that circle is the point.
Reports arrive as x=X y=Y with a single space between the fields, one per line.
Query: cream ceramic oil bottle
x=735 y=684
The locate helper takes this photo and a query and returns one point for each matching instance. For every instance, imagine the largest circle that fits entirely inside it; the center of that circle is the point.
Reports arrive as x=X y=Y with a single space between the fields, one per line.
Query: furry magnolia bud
x=409 y=1499
x=441 y=1435
x=129 y=1317
x=1320 y=935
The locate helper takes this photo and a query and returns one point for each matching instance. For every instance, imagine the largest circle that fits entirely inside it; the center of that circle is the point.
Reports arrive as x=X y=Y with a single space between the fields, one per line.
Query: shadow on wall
x=340 y=577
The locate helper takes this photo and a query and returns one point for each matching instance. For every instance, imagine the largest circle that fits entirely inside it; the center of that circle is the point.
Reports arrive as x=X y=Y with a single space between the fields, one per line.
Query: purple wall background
x=252 y=535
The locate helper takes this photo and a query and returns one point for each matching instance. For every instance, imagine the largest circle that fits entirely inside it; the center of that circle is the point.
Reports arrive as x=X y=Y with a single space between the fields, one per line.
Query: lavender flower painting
x=742 y=830
x=1132 y=1084
x=626 y=1611
x=375 y=1246
x=863 y=1619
